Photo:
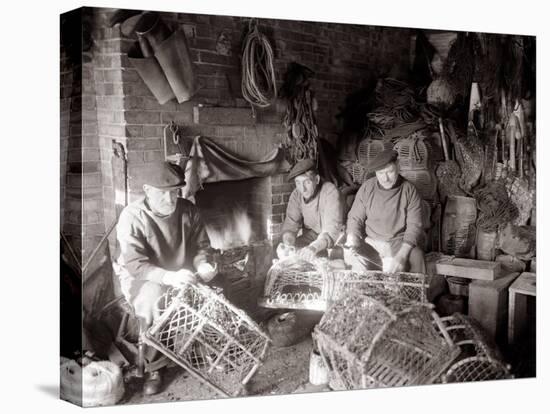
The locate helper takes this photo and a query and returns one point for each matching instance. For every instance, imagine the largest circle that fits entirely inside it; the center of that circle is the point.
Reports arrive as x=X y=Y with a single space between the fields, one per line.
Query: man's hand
x=179 y=278
x=307 y=253
x=350 y=251
x=393 y=264
x=284 y=251
x=206 y=272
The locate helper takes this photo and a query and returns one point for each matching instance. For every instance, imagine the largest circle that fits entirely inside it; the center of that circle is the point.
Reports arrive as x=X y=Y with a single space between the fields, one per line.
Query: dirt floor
x=285 y=371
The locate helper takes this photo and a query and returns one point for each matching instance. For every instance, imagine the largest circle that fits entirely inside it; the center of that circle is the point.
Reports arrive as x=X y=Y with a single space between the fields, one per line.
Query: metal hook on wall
x=175 y=138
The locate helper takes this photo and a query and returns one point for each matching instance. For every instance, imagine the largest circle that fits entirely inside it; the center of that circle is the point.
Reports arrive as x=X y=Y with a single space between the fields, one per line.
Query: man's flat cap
x=381 y=160
x=301 y=167
x=165 y=176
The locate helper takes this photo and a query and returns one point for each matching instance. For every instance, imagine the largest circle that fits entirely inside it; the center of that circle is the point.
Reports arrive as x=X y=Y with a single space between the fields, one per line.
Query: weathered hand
x=179 y=278
x=307 y=253
x=206 y=271
x=393 y=264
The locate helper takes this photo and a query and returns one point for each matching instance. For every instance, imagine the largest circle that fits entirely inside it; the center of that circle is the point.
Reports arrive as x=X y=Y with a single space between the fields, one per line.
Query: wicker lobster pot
x=413 y=157
x=293 y=283
x=382 y=341
x=296 y=284
x=411 y=286
x=412 y=153
x=210 y=338
x=477 y=361
x=425 y=182
x=368 y=150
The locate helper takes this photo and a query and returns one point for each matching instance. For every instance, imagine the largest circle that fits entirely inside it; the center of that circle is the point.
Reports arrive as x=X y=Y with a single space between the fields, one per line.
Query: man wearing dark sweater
x=162 y=239
x=384 y=225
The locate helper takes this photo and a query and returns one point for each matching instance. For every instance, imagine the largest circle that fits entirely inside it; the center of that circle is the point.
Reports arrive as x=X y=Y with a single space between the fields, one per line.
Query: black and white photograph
x=255 y=204
x=263 y=206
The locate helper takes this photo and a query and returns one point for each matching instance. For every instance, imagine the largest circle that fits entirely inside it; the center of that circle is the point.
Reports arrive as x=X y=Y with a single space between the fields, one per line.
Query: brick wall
x=71 y=133
x=344 y=58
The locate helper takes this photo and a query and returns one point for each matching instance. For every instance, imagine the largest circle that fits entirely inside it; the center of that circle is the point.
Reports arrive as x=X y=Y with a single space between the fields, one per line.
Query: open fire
x=235 y=230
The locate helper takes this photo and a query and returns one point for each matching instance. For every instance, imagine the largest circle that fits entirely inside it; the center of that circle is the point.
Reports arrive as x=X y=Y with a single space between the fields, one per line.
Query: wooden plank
x=468 y=268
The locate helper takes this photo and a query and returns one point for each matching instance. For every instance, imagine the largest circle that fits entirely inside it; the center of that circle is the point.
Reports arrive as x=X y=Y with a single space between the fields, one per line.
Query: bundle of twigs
x=299 y=120
x=495 y=207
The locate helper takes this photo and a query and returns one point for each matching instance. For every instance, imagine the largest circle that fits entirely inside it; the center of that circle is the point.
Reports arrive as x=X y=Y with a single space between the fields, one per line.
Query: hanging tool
x=176 y=140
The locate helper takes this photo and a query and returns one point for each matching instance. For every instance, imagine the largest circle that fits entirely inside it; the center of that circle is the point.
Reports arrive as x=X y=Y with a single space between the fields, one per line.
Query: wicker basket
x=296 y=284
x=424 y=181
x=368 y=150
x=382 y=341
x=210 y=338
x=355 y=170
x=413 y=153
x=411 y=286
x=477 y=360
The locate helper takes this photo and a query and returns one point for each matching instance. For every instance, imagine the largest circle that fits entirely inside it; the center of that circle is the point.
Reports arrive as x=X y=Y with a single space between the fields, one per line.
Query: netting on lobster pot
x=411 y=286
x=210 y=338
x=478 y=359
x=294 y=283
x=382 y=341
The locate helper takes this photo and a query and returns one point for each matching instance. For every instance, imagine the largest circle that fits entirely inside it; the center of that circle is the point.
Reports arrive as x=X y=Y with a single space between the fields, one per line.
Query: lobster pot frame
x=477 y=361
x=356 y=170
x=368 y=150
x=411 y=286
x=210 y=338
x=412 y=153
x=296 y=284
x=424 y=181
x=382 y=341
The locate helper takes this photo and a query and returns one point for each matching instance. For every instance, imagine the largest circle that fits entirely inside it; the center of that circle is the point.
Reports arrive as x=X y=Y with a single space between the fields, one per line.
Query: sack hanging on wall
x=162 y=59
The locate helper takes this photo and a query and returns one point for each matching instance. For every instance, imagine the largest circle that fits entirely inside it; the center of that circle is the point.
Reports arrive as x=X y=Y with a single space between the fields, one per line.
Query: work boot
x=152 y=384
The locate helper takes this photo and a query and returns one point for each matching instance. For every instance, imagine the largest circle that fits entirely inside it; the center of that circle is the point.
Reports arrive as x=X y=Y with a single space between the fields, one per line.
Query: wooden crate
x=524 y=286
x=468 y=268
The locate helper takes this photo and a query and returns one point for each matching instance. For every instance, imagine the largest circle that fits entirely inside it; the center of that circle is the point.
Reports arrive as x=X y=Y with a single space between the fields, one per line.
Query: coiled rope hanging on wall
x=258 y=85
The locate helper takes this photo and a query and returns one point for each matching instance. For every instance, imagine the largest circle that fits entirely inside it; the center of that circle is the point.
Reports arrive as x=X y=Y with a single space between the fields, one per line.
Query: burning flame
x=235 y=232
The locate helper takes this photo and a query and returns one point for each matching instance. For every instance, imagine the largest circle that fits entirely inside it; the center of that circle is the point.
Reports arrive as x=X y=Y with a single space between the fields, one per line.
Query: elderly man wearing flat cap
x=384 y=225
x=315 y=208
x=161 y=238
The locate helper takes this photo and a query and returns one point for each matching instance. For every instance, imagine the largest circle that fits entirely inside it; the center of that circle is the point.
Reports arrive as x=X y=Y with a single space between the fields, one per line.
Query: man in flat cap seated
x=384 y=225
x=314 y=208
x=162 y=239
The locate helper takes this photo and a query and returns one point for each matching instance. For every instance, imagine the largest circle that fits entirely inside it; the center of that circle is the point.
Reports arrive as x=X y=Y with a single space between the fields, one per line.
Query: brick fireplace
x=117 y=107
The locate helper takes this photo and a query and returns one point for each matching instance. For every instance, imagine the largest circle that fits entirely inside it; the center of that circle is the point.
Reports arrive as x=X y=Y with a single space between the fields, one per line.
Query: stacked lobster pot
x=414 y=165
x=382 y=340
